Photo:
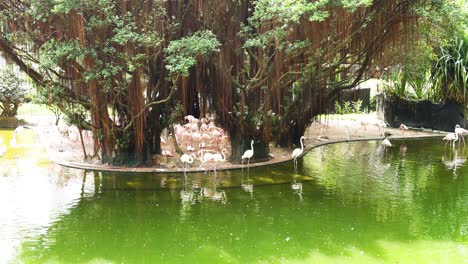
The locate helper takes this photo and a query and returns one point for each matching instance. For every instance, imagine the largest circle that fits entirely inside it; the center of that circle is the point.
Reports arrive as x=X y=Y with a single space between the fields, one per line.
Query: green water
x=358 y=203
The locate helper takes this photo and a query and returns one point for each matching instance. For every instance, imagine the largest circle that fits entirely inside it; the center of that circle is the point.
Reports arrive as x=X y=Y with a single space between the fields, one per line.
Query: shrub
x=12 y=92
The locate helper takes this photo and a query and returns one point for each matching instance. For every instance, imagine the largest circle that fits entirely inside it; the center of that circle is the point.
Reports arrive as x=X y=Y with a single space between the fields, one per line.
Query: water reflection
x=454 y=160
x=354 y=200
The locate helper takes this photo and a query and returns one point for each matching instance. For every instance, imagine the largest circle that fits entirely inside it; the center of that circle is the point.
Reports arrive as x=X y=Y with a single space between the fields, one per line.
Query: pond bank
x=318 y=134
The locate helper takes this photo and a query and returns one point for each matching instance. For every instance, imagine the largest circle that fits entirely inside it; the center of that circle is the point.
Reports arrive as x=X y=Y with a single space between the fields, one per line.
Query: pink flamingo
x=167 y=154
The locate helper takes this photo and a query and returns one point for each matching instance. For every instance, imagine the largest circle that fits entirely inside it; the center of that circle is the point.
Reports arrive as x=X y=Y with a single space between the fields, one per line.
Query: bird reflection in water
x=453 y=161
x=403 y=149
x=187 y=195
x=198 y=192
x=297 y=188
x=247 y=186
x=213 y=194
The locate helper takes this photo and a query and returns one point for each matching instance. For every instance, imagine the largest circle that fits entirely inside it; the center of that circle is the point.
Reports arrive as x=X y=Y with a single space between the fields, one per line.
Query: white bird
x=248 y=154
x=220 y=156
x=187 y=159
x=217 y=157
x=381 y=124
x=364 y=123
x=191 y=119
x=298 y=151
x=205 y=157
x=461 y=132
x=451 y=137
x=403 y=127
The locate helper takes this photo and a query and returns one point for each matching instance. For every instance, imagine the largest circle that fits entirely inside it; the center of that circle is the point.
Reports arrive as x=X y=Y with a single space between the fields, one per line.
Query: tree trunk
x=82 y=142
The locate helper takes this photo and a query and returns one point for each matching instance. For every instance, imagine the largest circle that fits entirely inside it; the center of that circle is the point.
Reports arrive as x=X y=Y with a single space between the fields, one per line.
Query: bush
x=12 y=92
x=349 y=107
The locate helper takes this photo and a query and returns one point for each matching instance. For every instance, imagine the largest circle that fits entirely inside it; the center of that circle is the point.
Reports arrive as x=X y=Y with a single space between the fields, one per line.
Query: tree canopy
x=264 y=67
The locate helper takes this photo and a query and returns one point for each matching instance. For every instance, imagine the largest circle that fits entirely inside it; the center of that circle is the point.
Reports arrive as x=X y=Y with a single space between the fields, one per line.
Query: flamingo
x=206 y=138
x=191 y=119
x=217 y=157
x=298 y=151
x=190 y=148
x=364 y=123
x=381 y=124
x=196 y=136
x=461 y=132
x=186 y=135
x=167 y=154
x=248 y=154
x=403 y=127
x=206 y=157
x=187 y=159
x=451 y=137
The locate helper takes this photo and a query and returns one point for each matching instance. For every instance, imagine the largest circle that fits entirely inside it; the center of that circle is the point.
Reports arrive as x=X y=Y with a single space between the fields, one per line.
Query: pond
x=349 y=202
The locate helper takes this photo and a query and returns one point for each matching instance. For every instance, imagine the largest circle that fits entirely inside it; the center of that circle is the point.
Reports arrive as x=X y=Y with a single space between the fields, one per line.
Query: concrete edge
x=104 y=168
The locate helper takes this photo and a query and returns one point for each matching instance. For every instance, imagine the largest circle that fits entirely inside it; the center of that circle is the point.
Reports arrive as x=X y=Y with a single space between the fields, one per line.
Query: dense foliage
x=450 y=73
x=263 y=67
x=435 y=67
x=13 y=92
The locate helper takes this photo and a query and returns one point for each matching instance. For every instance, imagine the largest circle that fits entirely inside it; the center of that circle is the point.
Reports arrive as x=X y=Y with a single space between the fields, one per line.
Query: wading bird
x=298 y=151
x=248 y=154
x=450 y=137
x=187 y=159
x=217 y=157
x=461 y=132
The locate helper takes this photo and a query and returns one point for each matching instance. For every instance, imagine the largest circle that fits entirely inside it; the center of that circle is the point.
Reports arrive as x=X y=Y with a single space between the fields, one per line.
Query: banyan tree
x=265 y=68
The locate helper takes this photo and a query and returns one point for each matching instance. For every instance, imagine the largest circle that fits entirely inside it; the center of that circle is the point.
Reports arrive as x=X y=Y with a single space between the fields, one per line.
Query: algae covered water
x=350 y=202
